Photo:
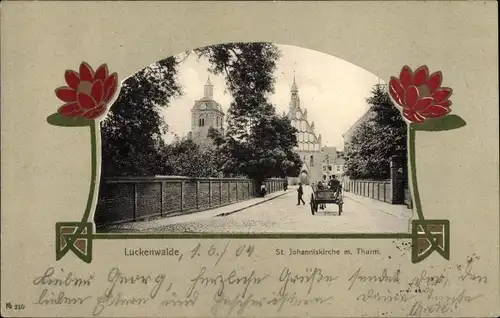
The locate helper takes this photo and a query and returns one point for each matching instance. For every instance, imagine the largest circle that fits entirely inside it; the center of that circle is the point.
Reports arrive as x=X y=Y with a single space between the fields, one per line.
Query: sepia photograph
x=253 y=138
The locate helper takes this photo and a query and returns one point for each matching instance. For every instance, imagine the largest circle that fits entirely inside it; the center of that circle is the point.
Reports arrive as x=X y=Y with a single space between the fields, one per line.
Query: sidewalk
x=197 y=216
x=397 y=210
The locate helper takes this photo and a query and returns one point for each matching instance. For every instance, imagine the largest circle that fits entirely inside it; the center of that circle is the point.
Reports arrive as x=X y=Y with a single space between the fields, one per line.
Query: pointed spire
x=209 y=88
x=294 y=85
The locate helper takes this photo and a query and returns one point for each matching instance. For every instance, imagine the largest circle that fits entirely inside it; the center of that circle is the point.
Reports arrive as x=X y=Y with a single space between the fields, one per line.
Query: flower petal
x=434 y=81
x=66 y=94
x=411 y=97
x=413 y=116
x=435 y=111
x=70 y=110
x=406 y=76
x=110 y=86
x=96 y=112
x=441 y=94
x=97 y=91
x=101 y=73
x=423 y=103
x=445 y=103
x=86 y=72
x=86 y=101
x=396 y=90
x=420 y=76
x=72 y=79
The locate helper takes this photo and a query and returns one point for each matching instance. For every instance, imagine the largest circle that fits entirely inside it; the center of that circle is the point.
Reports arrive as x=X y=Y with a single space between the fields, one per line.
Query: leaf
x=440 y=124
x=57 y=119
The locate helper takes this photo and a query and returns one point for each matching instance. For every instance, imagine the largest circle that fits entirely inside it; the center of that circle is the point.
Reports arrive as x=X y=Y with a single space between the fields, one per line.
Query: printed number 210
x=11 y=306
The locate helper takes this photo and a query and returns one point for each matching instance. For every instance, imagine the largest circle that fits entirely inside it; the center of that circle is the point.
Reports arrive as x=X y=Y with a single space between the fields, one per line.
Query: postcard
x=249 y=159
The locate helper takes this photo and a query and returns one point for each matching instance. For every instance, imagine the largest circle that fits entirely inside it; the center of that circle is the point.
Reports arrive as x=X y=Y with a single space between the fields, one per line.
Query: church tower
x=309 y=144
x=205 y=114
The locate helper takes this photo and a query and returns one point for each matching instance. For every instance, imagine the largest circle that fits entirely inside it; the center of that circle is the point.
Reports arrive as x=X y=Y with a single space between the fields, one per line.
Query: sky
x=332 y=90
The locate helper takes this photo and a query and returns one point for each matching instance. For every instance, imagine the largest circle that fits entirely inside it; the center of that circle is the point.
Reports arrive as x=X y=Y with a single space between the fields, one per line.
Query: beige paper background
x=45 y=169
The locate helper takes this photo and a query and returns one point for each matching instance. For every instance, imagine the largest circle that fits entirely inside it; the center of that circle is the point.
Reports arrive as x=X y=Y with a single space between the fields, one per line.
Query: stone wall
x=125 y=199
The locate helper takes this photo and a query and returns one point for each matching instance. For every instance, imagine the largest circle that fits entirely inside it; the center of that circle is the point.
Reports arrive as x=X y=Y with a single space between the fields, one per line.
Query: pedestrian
x=285 y=185
x=300 y=192
x=263 y=189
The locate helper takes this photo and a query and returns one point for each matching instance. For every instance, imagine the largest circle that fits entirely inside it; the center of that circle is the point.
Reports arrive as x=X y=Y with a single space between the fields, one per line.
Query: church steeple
x=294 y=88
x=209 y=89
x=294 y=91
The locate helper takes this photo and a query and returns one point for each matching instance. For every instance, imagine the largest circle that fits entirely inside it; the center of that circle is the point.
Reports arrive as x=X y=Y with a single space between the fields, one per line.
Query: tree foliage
x=133 y=129
x=257 y=142
x=377 y=139
x=185 y=158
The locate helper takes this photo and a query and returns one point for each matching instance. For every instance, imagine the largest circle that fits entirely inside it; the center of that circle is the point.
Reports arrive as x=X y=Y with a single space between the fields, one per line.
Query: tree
x=257 y=142
x=132 y=132
x=249 y=72
x=185 y=158
x=376 y=140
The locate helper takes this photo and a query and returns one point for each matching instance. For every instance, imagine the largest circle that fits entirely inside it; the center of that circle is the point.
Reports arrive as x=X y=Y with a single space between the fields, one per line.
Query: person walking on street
x=300 y=192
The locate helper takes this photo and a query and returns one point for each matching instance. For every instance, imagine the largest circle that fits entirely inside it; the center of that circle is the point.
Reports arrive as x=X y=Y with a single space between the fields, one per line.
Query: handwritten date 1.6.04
x=218 y=252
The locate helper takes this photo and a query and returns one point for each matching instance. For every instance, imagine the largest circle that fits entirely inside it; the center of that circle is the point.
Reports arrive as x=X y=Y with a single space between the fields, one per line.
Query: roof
x=207 y=104
x=361 y=119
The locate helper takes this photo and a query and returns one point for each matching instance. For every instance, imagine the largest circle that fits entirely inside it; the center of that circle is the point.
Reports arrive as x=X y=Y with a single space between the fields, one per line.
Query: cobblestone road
x=282 y=214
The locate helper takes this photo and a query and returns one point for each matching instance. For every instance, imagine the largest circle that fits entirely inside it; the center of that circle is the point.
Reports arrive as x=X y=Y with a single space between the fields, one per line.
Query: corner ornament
x=86 y=98
x=425 y=106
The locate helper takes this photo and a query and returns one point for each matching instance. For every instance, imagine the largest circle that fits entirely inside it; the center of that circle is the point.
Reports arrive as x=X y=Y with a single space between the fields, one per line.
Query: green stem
x=413 y=171
x=414 y=184
x=94 y=135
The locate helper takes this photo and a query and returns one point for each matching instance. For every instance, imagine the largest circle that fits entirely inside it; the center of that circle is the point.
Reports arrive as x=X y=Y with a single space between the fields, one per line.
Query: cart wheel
x=340 y=208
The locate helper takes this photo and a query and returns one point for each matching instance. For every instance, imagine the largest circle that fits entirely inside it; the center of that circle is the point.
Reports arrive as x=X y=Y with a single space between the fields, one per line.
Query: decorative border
x=425 y=106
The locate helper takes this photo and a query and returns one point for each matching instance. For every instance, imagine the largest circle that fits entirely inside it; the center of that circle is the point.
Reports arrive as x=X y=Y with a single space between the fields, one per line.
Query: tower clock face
x=203 y=106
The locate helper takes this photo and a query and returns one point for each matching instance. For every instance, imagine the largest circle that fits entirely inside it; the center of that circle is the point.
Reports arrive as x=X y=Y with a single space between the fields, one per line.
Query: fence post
x=229 y=191
x=135 y=201
x=182 y=195
x=209 y=193
x=236 y=191
x=161 y=198
x=197 y=195
x=220 y=192
x=398 y=179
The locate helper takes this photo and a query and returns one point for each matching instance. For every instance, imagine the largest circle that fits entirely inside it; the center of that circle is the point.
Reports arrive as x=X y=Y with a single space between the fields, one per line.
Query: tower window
x=311 y=161
x=201 y=122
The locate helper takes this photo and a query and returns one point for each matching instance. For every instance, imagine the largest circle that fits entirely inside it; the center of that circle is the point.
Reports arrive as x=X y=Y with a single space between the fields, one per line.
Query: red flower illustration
x=420 y=94
x=88 y=92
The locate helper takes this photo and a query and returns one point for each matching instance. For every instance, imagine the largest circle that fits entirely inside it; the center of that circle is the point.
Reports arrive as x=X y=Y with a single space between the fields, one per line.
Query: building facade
x=309 y=143
x=318 y=161
x=205 y=114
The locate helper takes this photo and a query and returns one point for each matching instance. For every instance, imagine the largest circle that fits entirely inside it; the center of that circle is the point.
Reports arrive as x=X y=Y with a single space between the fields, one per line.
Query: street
x=282 y=214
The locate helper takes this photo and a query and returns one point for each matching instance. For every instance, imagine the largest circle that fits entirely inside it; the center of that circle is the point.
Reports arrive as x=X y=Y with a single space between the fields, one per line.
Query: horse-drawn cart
x=326 y=196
